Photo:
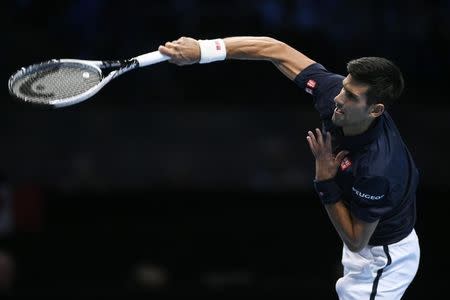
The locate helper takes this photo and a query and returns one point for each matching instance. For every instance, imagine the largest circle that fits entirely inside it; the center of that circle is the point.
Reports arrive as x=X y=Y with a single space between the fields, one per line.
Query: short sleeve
x=323 y=85
x=370 y=200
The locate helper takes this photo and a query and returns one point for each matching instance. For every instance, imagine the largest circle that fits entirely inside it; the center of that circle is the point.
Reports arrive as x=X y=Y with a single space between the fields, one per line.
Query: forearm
x=288 y=60
x=348 y=229
x=342 y=221
x=252 y=47
x=354 y=232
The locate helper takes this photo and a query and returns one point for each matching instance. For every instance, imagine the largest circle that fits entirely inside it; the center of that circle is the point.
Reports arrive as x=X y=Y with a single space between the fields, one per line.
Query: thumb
x=340 y=156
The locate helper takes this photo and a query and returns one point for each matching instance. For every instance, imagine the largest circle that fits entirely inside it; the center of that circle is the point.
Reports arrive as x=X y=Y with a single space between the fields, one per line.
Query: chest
x=345 y=177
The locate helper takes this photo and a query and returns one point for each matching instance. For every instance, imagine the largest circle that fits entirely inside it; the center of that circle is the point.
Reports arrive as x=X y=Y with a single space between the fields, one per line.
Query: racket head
x=57 y=82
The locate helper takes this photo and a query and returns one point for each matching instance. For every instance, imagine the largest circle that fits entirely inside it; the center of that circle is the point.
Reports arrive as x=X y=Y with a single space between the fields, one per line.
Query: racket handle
x=151 y=58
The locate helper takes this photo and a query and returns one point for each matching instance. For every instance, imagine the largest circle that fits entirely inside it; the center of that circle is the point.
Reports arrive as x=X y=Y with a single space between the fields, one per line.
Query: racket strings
x=55 y=81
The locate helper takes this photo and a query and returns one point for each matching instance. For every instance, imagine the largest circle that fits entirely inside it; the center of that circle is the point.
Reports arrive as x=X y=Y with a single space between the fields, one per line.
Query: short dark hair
x=384 y=78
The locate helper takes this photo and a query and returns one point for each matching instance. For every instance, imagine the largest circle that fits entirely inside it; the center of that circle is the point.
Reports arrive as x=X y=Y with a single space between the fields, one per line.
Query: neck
x=357 y=128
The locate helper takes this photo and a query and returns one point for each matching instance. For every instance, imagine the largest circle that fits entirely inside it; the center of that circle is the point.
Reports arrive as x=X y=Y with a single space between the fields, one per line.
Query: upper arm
x=322 y=85
x=370 y=198
x=370 y=201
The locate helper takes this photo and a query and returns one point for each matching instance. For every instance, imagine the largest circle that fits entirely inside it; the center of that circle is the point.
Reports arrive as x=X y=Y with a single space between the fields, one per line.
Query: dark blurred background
x=198 y=180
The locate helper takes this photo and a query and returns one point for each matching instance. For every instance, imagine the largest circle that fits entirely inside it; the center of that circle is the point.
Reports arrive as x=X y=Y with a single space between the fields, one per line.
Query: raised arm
x=289 y=61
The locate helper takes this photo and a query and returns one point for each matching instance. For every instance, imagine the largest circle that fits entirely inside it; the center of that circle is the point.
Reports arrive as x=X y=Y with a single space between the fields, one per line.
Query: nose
x=338 y=99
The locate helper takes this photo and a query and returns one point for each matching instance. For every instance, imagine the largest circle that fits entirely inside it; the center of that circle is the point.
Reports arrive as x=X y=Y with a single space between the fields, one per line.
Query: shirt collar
x=367 y=137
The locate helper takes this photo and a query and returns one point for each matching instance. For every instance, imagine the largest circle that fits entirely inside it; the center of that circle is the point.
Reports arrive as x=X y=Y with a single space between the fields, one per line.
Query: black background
x=203 y=172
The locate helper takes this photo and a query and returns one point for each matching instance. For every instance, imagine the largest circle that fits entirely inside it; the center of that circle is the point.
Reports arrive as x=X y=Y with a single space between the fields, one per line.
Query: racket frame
x=122 y=66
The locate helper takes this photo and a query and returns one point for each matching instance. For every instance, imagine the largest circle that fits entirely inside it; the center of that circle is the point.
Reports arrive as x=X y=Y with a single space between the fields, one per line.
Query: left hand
x=326 y=162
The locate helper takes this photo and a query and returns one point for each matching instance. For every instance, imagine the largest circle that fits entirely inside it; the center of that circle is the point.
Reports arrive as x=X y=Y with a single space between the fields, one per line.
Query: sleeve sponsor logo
x=345 y=164
x=367 y=196
x=310 y=86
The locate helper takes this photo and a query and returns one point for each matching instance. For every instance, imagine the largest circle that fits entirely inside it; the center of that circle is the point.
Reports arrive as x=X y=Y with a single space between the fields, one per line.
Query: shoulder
x=322 y=84
x=376 y=157
x=316 y=76
x=371 y=163
x=370 y=198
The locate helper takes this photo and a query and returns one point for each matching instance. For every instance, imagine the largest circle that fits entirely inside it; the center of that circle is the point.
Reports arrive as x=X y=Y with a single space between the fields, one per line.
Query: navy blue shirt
x=378 y=178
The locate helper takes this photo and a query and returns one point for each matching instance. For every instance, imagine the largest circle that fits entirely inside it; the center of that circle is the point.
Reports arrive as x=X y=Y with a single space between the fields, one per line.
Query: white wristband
x=212 y=50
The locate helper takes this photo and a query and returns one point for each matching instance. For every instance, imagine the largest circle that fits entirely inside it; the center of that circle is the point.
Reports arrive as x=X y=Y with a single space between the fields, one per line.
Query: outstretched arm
x=289 y=61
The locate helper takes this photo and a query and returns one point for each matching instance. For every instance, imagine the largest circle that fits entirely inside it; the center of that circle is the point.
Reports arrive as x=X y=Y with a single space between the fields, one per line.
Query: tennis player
x=365 y=175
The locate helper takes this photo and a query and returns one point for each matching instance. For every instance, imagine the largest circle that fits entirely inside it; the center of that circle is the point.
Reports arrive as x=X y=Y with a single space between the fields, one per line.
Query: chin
x=336 y=121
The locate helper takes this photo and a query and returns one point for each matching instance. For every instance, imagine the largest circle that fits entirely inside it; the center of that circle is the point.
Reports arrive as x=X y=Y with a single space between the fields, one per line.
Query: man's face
x=351 y=105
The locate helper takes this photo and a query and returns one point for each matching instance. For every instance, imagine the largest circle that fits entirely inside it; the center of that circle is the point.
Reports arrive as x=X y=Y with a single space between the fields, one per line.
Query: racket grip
x=151 y=58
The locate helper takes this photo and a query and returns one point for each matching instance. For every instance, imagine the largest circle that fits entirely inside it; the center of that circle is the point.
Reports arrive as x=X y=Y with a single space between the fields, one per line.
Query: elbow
x=272 y=40
x=273 y=50
x=355 y=246
x=279 y=51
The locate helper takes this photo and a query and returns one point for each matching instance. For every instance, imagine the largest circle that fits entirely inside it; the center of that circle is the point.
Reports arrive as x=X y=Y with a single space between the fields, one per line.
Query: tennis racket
x=63 y=82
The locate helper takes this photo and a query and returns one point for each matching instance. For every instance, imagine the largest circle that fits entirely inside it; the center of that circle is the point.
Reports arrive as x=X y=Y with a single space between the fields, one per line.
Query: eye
x=350 y=96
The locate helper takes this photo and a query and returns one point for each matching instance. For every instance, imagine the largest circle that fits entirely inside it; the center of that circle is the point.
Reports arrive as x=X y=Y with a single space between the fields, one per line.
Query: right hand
x=326 y=162
x=184 y=51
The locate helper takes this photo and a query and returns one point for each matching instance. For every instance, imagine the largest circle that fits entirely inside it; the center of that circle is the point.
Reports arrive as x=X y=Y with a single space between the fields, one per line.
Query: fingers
x=174 y=44
x=169 y=49
x=171 y=45
x=312 y=142
x=318 y=143
x=328 y=141
x=184 y=51
x=166 y=51
x=178 y=41
x=319 y=137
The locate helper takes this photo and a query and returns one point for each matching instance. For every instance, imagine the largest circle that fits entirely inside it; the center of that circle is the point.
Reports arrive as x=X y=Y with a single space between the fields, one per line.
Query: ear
x=377 y=110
